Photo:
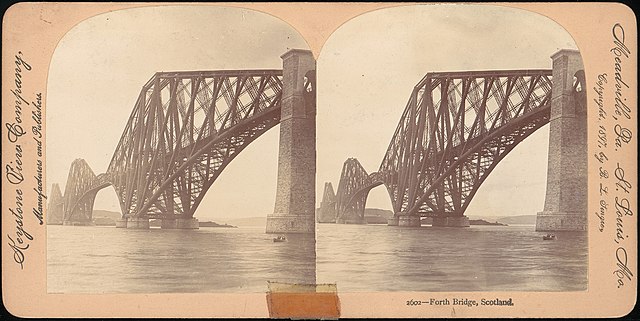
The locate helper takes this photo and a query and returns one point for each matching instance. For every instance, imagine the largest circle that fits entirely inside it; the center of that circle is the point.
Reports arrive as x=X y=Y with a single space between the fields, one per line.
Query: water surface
x=364 y=258
x=359 y=258
x=91 y=259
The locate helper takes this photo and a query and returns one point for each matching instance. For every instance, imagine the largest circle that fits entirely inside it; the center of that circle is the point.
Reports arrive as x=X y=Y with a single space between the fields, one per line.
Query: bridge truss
x=185 y=128
x=455 y=129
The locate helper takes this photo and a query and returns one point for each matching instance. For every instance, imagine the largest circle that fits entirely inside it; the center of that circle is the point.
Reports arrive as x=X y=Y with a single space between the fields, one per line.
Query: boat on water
x=280 y=238
x=549 y=237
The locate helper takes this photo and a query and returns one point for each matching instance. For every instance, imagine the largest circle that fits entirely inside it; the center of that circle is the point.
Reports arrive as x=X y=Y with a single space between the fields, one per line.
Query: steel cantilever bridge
x=455 y=129
x=185 y=128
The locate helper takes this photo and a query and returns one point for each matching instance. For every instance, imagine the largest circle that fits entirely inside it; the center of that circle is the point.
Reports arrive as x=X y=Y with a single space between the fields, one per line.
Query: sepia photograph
x=165 y=159
x=452 y=147
x=319 y=161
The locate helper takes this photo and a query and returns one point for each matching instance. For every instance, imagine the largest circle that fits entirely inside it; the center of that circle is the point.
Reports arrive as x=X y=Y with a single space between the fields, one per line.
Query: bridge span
x=455 y=129
x=185 y=128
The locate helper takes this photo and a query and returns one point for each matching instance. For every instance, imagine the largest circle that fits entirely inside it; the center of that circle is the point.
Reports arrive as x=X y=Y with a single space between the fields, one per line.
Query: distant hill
x=520 y=219
x=109 y=214
x=158 y=223
x=378 y=212
x=517 y=219
x=377 y=215
x=483 y=222
x=486 y=218
x=370 y=219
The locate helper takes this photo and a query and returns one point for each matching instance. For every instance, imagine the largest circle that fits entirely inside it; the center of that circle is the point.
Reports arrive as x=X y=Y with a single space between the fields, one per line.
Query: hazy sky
x=366 y=72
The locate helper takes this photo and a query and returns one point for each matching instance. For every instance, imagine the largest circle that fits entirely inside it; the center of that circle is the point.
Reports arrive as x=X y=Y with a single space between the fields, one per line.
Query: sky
x=366 y=71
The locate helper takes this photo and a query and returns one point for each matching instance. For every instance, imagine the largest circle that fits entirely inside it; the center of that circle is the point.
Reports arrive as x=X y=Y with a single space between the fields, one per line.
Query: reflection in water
x=110 y=260
x=479 y=258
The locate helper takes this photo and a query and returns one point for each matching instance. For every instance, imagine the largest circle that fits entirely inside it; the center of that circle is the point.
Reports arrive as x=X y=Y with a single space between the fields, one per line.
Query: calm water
x=109 y=260
x=478 y=258
x=356 y=257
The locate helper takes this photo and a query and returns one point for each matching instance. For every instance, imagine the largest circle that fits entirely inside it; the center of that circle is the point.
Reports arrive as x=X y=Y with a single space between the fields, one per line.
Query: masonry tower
x=565 y=206
x=295 y=197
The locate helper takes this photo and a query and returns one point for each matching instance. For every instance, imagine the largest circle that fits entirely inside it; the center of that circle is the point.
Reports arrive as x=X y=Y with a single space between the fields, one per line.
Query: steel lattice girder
x=352 y=179
x=185 y=128
x=77 y=200
x=328 y=196
x=328 y=203
x=353 y=189
x=454 y=130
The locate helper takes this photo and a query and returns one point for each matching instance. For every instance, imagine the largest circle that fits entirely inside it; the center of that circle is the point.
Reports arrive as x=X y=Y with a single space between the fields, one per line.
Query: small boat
x=549 y=237
x=280 y=238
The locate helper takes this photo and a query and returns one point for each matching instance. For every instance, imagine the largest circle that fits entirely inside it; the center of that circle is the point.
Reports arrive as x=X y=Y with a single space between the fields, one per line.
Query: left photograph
x=180 y=147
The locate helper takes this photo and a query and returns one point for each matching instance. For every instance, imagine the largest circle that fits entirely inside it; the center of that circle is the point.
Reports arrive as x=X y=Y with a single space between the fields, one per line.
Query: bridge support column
x=355 y=220
x=408 y=220
x=121 y=223
x=351 y=217
x=78 y=223
x=327 y=211
x=565 y=206
x=180 y=223
x=138 y=223
x=296 y=194
x=55 y=206
x=451 y=221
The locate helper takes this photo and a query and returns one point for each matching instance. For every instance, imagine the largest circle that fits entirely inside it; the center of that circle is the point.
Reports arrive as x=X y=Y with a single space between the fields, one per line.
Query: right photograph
x=451 y=153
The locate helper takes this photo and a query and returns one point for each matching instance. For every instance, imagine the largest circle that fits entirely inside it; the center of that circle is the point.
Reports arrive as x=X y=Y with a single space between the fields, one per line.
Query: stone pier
x=180 y=223
x=352 y=219
x=565 y=206
x=138 y=223
x=77 y=223
x=295 y=197
x=407 y=220
x=451 y=221
x=121 y=223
